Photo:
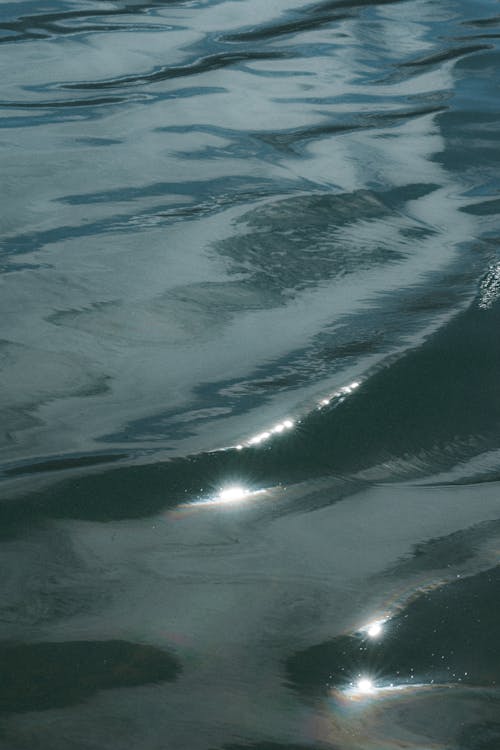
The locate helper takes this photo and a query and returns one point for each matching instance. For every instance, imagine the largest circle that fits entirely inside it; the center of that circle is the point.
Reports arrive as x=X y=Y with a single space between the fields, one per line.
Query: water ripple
x=203 y=65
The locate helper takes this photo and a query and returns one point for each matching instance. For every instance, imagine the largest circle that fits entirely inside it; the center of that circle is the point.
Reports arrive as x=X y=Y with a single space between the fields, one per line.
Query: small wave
x=282 y=29
x=43 y=25
x=202 y=65
x=449 y=54
x=285 y=140
x=490 y=287
x=483 y=22
x=354 y=4
x=94 y=102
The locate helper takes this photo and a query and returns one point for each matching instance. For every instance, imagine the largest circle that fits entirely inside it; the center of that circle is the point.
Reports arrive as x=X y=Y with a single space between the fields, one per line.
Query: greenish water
x=249 y=366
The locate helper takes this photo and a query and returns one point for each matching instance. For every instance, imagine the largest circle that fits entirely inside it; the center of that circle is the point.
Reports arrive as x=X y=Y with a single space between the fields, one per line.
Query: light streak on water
x=342 y=392
x=288 y=424
x=236 y=494
x=262 y=437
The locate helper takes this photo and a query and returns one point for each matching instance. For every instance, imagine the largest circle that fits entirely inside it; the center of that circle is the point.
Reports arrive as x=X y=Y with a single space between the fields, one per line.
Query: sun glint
x=232 y=494
x=374 y=630
x=365 y=685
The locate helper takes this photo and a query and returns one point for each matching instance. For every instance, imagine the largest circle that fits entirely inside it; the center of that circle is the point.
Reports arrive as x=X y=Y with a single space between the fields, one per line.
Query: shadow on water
x=439 y=400
x=40 y=676
x=453 y=549
x=445 y=636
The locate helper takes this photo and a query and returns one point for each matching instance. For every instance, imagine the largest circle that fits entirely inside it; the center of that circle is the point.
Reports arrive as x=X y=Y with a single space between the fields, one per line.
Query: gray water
x=249 y=366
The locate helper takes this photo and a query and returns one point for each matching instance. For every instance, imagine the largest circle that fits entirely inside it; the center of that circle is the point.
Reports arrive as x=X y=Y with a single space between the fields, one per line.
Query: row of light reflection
x=238 y=493
x=344 y=391
x=364 y=687
x=288 y=424
x=234 y=494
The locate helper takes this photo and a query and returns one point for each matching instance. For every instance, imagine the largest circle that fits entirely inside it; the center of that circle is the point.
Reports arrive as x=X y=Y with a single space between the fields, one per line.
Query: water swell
x=419 y=396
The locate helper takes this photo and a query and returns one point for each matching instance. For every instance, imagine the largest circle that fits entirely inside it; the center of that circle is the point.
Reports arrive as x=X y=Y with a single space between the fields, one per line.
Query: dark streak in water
x=202 y=65
x=41 y=676
x=354 y=4
x=482 y=22
x=281 y=29
x=47 y=23
x=55 y=30
x=96 y=102
x=449 y=54
x=443 y=552
x=63 y=463
x=286 y=140
x=490 y=207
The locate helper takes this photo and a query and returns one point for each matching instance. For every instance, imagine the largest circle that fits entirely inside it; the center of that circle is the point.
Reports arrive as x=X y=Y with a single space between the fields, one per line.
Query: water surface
x=250 y=414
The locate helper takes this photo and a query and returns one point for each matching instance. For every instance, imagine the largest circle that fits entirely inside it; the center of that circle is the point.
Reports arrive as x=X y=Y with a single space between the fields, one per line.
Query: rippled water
x=250 y=366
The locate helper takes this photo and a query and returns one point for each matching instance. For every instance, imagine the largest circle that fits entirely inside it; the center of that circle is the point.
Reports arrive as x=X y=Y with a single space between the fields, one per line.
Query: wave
x=202 y=65
x=452 y=53
x=418 y=402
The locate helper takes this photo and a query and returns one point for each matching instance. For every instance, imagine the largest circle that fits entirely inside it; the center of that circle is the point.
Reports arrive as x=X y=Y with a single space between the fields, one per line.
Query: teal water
x=249 y=367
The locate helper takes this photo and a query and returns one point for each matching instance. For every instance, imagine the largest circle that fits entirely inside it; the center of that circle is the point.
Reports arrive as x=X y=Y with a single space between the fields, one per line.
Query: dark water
x=250 y=368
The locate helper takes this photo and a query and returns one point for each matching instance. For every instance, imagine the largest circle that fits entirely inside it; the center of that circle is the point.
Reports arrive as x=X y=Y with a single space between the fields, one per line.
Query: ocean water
x=250 y=375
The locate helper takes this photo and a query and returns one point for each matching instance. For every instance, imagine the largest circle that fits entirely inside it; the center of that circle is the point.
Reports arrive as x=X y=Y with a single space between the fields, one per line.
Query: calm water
x=250 y=367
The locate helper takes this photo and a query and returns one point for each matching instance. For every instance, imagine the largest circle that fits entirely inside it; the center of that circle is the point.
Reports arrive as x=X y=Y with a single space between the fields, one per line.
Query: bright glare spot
x=355 y=384
x=232 y=494
x=375 y=629
x=325 y=402
x=258 y=438
x=365 y=685
x=229 y=495
x=239 y=447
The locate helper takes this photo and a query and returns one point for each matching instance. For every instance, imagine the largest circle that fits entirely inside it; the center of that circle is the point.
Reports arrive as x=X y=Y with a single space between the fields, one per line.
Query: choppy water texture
x=250 y=368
